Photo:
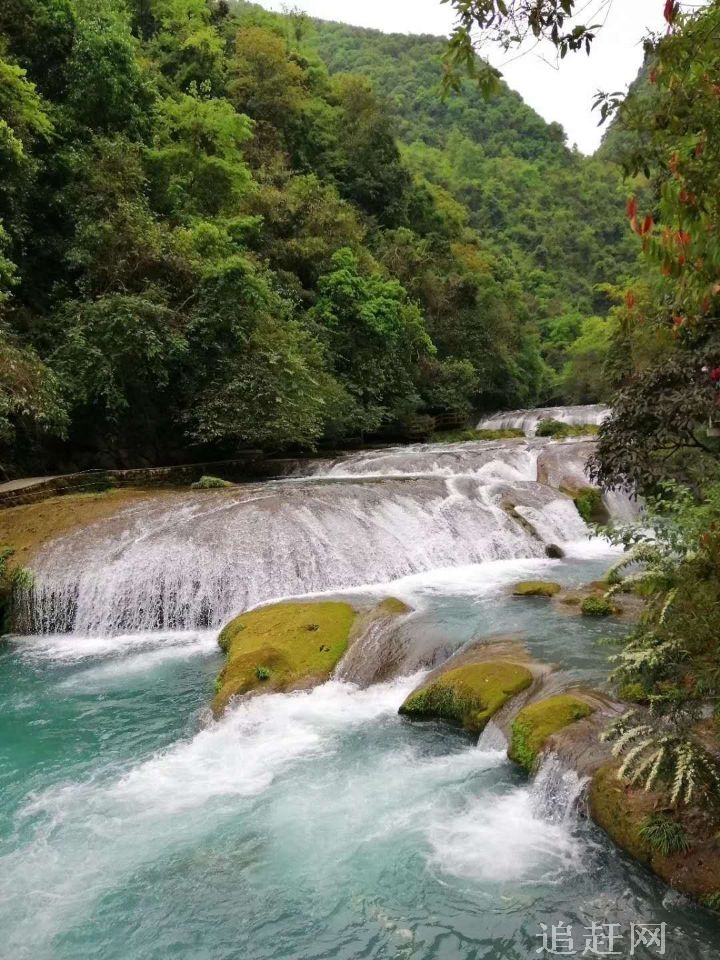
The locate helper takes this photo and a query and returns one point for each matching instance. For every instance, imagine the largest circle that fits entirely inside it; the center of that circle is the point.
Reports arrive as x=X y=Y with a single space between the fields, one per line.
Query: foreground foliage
x=671 y=662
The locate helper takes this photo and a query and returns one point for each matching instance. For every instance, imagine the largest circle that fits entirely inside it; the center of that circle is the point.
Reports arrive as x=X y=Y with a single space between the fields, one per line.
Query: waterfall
x=192 y=559
x=528 y=420
x=557 y=790
x=492 y=738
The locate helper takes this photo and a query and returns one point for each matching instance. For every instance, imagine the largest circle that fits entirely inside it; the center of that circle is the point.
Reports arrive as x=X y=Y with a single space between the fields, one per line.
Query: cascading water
x=528 y=420
x=557 y=791
x=316 y=825
x=193 y=560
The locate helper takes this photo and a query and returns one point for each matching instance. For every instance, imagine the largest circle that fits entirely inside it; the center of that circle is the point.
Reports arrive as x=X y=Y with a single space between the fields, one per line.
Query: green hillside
x=560 y=215
x=211 y=237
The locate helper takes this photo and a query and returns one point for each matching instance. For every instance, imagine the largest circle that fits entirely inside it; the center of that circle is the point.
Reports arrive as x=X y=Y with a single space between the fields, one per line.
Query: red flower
x=715 y=374
x=670 y=10
x=631 y=208
x=629 y=299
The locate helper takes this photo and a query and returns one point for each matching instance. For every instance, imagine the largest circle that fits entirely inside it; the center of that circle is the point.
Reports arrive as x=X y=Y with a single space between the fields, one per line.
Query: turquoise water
x=312 y=825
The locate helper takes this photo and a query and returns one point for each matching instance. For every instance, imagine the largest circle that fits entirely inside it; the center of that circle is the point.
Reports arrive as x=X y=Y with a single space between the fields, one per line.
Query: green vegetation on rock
x=210 y=483
x=596 y=607
x=664 y=834
x=507 y=433
x=281 y=647
x=468 y=696
x=590 y=506
x=536 y=588
x=536 y=723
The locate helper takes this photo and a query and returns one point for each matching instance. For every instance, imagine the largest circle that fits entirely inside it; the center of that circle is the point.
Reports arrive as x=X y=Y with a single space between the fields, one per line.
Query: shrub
x=664 y=835
x=711 y=900
x=551 y=428
x=11 y=579
x=656 y=755
x=262 y=673
x=596 y=607
x=633 y=693
x=561 y=431
x=210 y=483
x=589 y=503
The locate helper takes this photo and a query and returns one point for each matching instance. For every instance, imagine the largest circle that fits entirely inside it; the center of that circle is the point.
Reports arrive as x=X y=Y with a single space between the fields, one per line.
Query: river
x=317 y=824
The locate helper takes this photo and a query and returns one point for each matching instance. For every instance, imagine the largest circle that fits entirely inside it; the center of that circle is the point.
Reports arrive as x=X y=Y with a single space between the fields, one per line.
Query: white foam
x=72 y=647
x=498 y=839
x=119 y=670
x=87 y=837
x=528 y=420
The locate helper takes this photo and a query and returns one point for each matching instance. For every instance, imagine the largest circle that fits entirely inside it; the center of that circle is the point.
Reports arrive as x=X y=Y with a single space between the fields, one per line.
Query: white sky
x=563 y=94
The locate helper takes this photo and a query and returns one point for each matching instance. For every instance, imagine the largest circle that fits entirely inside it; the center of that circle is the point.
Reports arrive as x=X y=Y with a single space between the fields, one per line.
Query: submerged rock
x=378 y=649
x=536 y=588
x=592 y=600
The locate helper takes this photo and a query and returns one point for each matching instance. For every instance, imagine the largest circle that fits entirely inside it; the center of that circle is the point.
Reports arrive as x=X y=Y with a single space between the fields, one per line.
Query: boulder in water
x=469 y=695
x=536 y=588
x=286 y=646
x=554 y=552
x=536 y=723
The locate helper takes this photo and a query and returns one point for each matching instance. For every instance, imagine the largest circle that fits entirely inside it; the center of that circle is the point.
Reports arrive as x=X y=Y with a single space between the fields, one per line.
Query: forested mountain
x=210 y=238
x=557 y=213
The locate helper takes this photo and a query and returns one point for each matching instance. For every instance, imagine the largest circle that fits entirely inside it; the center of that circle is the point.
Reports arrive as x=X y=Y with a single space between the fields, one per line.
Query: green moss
x=508 y=433
x=391 y=606
x=611 y=809
x=470 y=695
x=561 y=431
x=596 y=607
x=590 y=506
x=633 y=693
x=536 y=588
x=294 y=643
x=535 y=724
x=210 y=483
x=468 y=434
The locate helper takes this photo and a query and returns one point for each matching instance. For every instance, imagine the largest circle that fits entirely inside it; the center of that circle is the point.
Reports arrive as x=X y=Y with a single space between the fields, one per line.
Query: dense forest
x=212 y=238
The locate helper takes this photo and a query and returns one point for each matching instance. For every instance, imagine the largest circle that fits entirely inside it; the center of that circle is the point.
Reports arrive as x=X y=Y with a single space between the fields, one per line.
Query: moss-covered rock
x=536 y=588
x=590 y=505
x=282 y=647
x=210 y=483
x=506 y=433
x=623 y=813
x=536 y=723
x=596 y=607
x=470 y=695
x=390 y=607
x=591 y=600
